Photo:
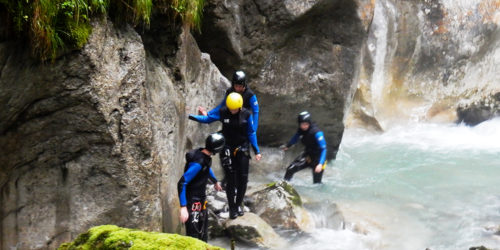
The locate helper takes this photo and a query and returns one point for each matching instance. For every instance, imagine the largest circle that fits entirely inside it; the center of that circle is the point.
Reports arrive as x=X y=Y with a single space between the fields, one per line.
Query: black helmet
x=214 y=143
x=239 y=77
x=304 y=116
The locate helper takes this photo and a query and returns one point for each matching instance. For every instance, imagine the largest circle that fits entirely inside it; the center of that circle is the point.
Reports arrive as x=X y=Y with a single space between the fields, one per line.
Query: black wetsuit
x=191 y=188
x=238 y=130
x=234 y=128
x=314 y=152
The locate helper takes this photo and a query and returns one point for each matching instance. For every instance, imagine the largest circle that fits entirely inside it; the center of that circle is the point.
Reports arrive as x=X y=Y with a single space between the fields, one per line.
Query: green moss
x=113 y=237
x=272 y=184
x=52 y=25
x=296 y=200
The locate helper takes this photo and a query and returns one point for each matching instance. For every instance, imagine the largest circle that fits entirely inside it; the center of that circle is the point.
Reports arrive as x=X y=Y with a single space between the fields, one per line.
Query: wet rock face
x=433 y=57
x=299 y=55
x=99 y=136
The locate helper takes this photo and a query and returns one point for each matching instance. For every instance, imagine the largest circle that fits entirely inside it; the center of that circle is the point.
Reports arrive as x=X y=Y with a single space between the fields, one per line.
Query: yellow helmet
x=234 y=101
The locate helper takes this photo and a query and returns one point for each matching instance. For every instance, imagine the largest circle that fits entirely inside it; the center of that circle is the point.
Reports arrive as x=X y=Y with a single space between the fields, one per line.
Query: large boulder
x=113 y=237
x=299 y=55
x=98 y=136
x=254 y=231
x=280 y=206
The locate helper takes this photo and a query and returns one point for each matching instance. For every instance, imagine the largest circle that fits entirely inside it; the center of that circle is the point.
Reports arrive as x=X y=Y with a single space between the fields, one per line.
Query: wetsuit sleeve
x=212 y=176
x=193 y=169
x=206 y=119
x=294 y=140
x=255 y=111
x=252 y=136
x=217 y=108
x=320 y=138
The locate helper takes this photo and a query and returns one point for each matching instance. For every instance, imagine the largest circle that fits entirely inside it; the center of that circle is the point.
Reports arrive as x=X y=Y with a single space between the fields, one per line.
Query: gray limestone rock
x=298 y=55
x=98 y=137
x=281 y=206
x=252 y=230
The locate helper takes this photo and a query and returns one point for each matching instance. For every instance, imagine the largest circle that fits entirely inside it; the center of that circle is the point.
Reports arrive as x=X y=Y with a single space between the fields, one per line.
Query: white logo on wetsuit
x=226 y=120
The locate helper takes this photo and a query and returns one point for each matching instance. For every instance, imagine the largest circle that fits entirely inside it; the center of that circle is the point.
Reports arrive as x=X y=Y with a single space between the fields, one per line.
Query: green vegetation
x=52 y=25
x=111 y=237
x=296 y=200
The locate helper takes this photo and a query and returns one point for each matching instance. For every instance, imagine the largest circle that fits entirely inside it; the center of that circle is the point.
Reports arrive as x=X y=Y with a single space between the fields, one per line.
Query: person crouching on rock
x=239 y=131
x=314 y=155
x=192 y=185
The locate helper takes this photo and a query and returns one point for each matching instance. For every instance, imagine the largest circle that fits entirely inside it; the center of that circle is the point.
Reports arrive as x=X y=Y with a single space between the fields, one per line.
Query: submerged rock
x=326 y=214
x=480 y=111
x=479 y=248
x=114 y=237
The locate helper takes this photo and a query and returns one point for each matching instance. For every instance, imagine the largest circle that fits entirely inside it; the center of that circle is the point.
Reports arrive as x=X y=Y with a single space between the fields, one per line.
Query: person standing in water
x=314 y=154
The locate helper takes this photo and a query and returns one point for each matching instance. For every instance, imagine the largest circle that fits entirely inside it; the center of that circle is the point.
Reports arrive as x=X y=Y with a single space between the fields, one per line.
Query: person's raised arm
x=211 y=117
x=218 y=107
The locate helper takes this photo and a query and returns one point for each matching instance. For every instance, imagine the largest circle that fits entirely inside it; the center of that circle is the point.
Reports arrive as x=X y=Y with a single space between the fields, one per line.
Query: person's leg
x=298 y=164
x=193 y=225
x=242 y=161
x=230 y=173
x=225 y=161
x=204 y=223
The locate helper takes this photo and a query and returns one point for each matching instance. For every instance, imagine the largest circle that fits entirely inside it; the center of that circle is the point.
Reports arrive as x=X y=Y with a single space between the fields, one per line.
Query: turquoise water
x=434 y=186
x=413 y=187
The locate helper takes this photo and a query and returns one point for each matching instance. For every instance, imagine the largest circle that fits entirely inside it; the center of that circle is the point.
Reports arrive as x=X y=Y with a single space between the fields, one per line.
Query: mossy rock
x=295 y=197
x=114 y=237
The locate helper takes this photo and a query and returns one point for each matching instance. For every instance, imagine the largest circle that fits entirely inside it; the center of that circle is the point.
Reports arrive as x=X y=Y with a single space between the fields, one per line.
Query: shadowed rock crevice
x=297 y=57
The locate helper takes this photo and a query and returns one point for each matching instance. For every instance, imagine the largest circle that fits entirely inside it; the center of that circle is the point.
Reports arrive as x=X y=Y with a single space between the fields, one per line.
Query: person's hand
x=184 y=214
x=202 y=111
x=318 y=168
x=218 y=187
x=258 y=157
x=284 y=147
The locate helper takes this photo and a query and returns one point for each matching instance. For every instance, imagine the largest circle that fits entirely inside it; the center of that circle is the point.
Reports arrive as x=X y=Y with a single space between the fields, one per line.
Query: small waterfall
x=427 y=59
x=377 y=46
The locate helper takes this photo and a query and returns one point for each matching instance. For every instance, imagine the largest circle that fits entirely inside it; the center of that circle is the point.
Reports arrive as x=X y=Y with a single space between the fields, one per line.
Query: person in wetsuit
x=314 y=154
x=238 y=129
x=239 y=85
x=191 y=186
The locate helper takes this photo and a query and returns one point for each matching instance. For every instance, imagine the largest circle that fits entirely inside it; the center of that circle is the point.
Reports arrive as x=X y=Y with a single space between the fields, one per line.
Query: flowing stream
x=414 y=187
x=418 y=186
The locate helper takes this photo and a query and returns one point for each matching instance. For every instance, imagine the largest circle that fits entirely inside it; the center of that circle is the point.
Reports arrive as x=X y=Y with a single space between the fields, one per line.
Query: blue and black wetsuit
x=249 y=102
x=191 y=188
x=238 y=129
x=314 y=152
